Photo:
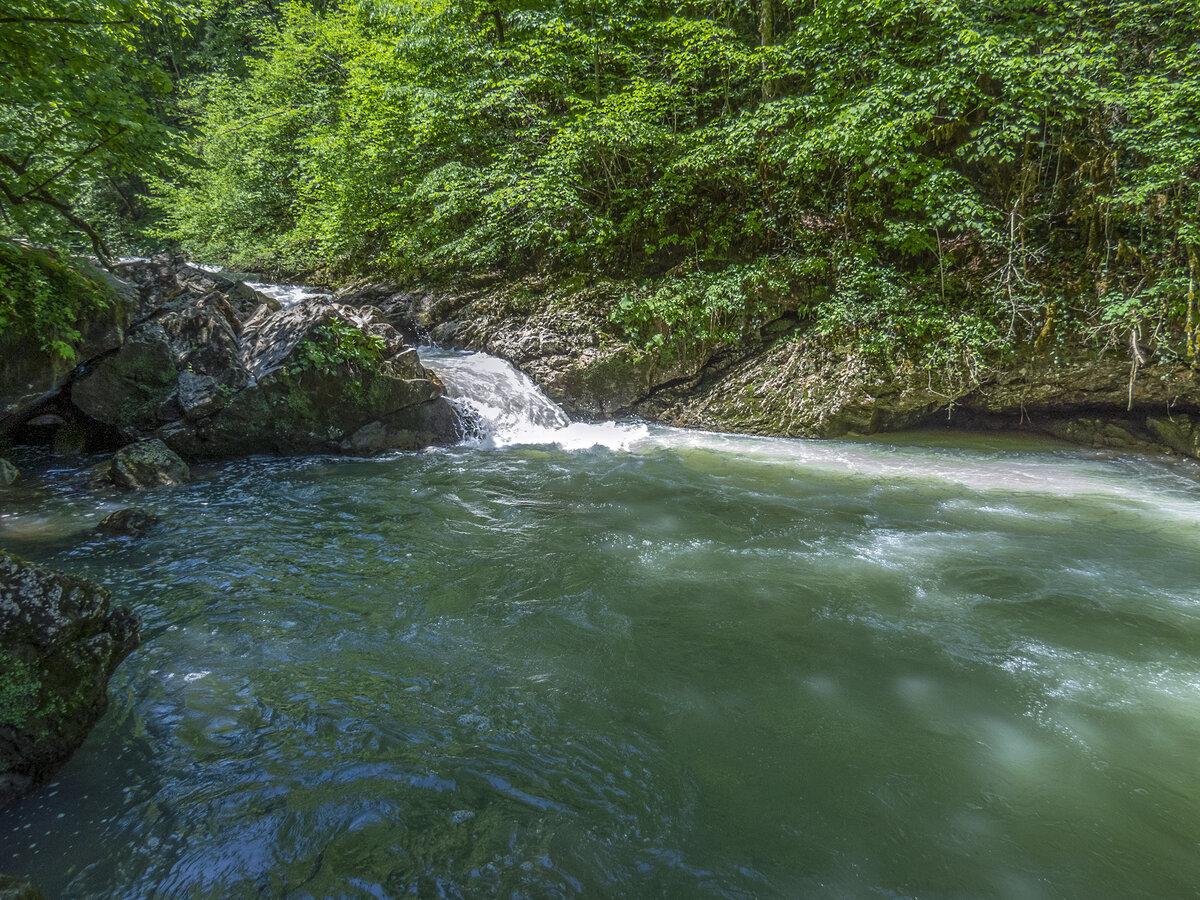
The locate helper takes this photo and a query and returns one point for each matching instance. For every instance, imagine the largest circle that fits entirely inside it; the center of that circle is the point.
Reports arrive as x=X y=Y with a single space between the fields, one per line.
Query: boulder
x=60 y=641
x=178 y=364
x=319 y=374
x=127 y=388
x=8 y=473
x=1179 y=432
x=246 y=300
x=130 y=522
x=203 y=281
x=32 y=369
x=146 y=464
x=156 y=280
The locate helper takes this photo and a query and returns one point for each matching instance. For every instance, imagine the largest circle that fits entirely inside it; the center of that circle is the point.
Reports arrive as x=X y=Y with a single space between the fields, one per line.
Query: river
x=624 y=660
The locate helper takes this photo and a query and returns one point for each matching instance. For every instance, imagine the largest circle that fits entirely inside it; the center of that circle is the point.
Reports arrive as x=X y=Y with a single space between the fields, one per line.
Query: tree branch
x=64 y=210
x=95 y=145
x=59 y=20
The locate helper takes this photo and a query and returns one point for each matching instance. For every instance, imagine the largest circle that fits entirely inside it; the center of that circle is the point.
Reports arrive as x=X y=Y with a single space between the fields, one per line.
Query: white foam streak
x=512 y=411
x=287 y=294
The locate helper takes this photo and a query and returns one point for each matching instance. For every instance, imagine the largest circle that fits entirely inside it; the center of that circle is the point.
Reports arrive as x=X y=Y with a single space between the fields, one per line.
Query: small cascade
x=508 y=408
x=289 y=295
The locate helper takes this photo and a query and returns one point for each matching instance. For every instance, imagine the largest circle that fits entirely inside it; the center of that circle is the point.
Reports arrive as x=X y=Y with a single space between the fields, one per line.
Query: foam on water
x=512 y=411
x=287 y=294
x=509 y=409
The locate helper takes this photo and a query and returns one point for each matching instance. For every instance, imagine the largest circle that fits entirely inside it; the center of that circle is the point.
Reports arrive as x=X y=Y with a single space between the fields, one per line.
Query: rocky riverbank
x=787 y=378
x=162 y=361
x=215 y=369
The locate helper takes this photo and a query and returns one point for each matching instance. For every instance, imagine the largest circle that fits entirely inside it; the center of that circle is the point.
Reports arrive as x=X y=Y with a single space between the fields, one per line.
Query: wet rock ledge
x=60 y=641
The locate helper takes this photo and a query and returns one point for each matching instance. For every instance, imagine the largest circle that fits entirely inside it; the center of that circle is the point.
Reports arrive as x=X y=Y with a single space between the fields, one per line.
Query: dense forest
x=957 y=177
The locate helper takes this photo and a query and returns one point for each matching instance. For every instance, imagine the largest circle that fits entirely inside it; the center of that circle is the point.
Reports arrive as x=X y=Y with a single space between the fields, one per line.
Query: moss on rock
x=53 y=314
x=62 y=640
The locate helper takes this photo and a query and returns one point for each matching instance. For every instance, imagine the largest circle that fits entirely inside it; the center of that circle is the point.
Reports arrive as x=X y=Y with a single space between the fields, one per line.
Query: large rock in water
x=321 y=377
x=316 y=377
x=60 y=640
x=182 y=361
x=144 y=465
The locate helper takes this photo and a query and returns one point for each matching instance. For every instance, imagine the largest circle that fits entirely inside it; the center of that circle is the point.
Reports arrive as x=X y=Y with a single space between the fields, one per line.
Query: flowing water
x=628 y=661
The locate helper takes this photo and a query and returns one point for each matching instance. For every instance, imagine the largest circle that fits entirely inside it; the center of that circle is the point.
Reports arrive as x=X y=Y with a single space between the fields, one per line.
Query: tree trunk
x=766 y=34
x=498 y=22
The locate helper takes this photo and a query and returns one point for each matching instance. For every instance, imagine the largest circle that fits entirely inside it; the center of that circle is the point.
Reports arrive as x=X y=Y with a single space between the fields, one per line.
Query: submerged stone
x=8 y=473
x=131 y=522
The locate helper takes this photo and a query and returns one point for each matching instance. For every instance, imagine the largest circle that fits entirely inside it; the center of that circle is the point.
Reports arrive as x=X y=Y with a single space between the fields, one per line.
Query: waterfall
x=508 y=408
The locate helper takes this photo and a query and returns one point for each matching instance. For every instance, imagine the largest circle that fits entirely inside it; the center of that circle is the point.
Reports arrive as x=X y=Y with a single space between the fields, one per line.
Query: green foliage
x=707 y=308
x=890 y=317
x=336 y=347
x=933 y=172
x=20 y=688
x=43 y=298
x=77 y=108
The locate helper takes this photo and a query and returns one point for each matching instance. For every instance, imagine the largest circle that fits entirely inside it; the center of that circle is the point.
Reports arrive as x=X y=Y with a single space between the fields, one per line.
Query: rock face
x=561 y=340
x=144 y=465
x=1179 y=432
x=60 y=640
x=216 y=369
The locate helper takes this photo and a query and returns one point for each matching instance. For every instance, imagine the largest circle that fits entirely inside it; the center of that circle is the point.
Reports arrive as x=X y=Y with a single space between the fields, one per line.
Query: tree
x=76 y=104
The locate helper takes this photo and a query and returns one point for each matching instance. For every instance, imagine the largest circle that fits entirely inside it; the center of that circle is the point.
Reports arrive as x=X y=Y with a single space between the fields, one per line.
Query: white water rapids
x=509 y=409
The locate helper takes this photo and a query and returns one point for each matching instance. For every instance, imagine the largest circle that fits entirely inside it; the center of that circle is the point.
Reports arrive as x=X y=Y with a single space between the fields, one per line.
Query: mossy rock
x=1180 y=433
x=61 y=642
x=54 y=314
x=141 y=466
x=128 y=389
x=13 y=888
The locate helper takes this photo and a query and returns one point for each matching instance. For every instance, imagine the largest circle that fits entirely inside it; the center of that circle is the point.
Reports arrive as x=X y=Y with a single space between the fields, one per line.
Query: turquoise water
x=701 y=666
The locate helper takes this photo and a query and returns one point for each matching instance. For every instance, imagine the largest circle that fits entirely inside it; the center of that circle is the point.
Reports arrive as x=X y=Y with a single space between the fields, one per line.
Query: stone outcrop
x=60 y=641
x=215 y=369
